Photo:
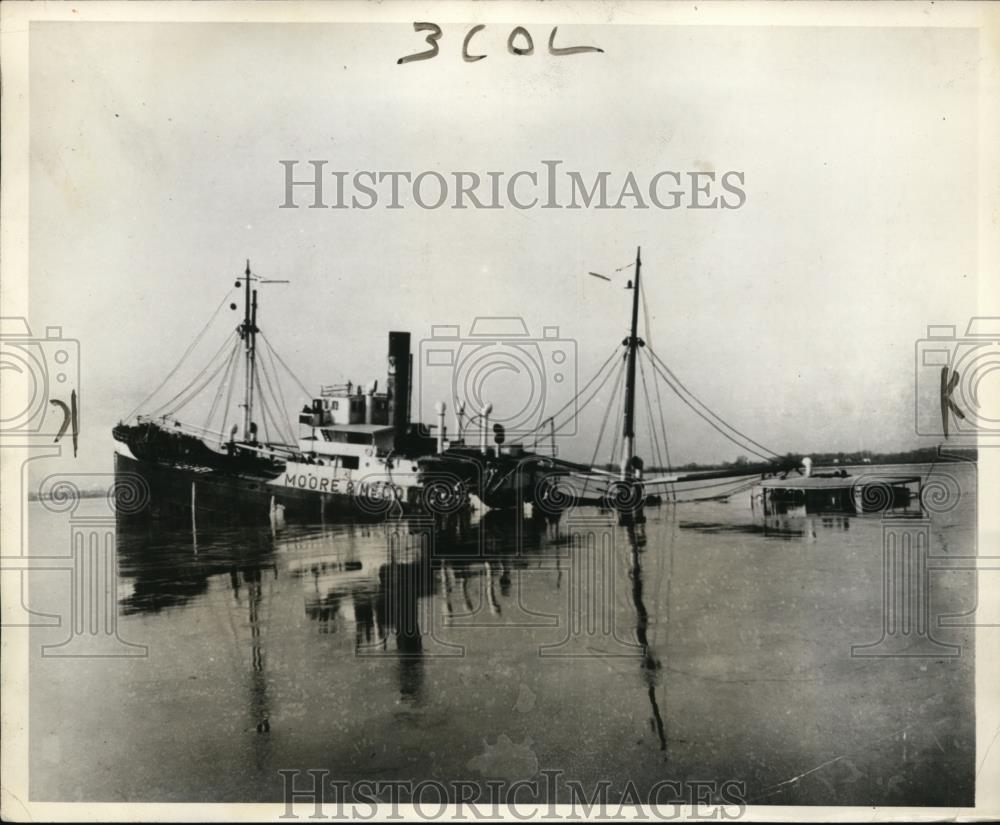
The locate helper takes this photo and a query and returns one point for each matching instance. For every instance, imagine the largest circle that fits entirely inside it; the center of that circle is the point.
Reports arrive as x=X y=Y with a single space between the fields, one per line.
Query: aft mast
x=633 y=342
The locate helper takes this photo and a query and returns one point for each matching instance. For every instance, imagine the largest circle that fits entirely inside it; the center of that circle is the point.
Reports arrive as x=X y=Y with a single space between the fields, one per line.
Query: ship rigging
x=353 y=439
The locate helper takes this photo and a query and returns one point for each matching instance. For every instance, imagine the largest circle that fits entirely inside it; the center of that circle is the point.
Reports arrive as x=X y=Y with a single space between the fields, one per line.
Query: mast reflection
x=162 y=571
x=650 y=663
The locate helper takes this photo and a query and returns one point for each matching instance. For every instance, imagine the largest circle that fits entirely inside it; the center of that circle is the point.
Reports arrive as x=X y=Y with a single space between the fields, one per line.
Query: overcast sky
x=155 y=174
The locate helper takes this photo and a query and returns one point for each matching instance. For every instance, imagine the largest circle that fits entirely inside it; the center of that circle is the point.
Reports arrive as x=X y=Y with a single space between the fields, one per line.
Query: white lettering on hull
x=373 y=489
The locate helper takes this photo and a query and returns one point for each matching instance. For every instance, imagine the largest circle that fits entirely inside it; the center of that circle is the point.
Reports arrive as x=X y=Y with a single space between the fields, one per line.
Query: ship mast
x=633 y=342
x=248 y=332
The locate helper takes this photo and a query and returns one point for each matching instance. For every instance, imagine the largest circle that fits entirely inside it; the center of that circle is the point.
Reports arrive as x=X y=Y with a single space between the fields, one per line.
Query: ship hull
x=497 y=482
x=174 y=491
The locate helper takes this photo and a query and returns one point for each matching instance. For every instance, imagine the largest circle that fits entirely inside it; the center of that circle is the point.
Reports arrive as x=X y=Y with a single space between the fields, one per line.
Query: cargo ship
x=356 y=451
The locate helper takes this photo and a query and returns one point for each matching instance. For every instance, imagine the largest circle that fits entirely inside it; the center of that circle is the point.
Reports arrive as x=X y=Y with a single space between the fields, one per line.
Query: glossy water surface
x=710 y=644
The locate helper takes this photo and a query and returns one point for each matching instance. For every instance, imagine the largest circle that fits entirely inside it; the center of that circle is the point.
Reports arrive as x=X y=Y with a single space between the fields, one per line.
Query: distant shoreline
x=820 y=460
x=33 y=496
x=929 y=455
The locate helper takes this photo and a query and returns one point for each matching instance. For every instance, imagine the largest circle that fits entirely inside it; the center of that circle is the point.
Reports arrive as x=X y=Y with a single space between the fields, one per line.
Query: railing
x=188 y=429
x=166 y=422
x=329 y=390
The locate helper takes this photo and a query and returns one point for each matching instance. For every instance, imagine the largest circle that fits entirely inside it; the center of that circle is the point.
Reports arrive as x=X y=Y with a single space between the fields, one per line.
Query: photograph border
x=16 y=18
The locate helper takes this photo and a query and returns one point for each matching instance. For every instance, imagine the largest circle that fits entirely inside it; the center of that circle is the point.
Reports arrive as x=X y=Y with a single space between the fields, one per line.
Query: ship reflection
x=371 y=584
x=370 y=588
x=162 y=571
x=366 y=583
x=376 y=591
x=401 y=586
x=772 y=527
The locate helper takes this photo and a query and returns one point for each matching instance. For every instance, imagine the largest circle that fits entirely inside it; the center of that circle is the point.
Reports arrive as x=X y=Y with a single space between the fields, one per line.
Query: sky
x=155 y=174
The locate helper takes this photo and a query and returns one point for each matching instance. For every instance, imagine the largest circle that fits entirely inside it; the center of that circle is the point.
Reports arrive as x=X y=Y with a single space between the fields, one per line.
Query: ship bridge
x=347 y=424
x=353 y=424
x=349 y=442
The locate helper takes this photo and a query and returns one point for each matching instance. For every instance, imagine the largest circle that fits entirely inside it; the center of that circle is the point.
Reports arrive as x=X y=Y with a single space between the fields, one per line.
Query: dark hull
x=500 y=482
x=174 y=492
x=159 y=446
x=838 y=500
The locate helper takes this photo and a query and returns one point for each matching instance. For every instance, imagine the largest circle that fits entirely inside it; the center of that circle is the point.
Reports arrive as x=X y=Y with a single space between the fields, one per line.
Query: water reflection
x=413 y=589
x=164 y=571
x=259 y=705
x=305 y=645
x=375 y=584
x=370 y=583
x=650 y=663
x=772 y=528
x=348 y=583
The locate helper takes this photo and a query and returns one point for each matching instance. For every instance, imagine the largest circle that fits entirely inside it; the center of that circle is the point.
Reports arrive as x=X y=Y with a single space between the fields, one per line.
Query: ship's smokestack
x=398 y=385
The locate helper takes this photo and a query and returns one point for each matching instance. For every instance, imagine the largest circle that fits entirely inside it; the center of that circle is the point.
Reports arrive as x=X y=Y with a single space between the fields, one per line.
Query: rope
x=732 y=492
x=607 y=415
x=218 y=396
x=619 y=443
x=226 y=377
x=187 y=352
x=663 y=425
x=724 y=482
x=556 y=427
x=652 y=427
x=674 y=383
x=673 y=379
x=277 y=383
x=656 y=384
x=566 y=406
x=287 y=368
x=593 y=395
x=277 y=401
x=268 y=414
x=659 y=398
x=263 y=405
x=186 y=387
x=658 y=456
x=197 y=390
x=229 y=398
x=186 y=390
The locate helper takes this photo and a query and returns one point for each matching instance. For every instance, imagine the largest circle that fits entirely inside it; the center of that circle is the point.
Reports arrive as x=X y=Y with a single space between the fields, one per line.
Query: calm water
x=710 y=645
